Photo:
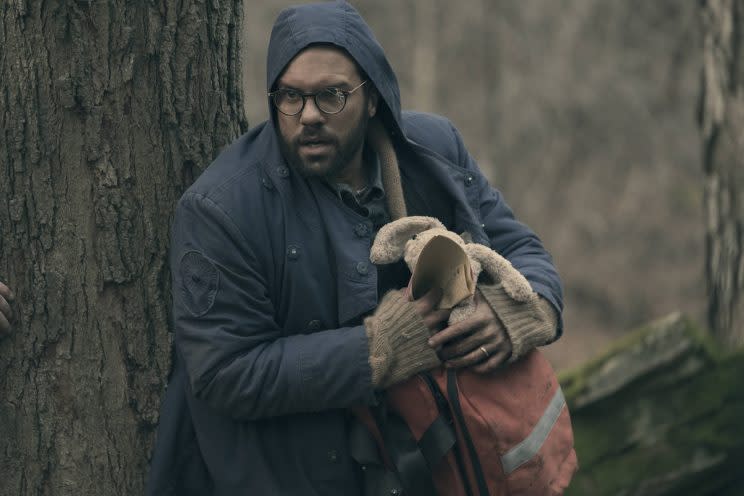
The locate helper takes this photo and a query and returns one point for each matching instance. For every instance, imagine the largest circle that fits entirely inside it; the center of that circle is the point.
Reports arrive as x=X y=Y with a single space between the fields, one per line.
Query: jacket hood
x=336 y=23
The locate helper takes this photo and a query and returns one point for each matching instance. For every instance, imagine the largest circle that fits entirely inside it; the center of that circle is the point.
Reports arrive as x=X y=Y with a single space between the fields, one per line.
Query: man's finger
x=436 y=318
x=5 y=309
x=430 y=300
x=474 y=357
x=462 y=328
x=4 y=325
x=463 y=346
x=494 y=362
x=6 y=293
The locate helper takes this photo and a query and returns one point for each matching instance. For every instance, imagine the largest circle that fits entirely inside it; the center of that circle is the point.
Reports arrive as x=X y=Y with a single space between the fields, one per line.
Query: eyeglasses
x=328 y=100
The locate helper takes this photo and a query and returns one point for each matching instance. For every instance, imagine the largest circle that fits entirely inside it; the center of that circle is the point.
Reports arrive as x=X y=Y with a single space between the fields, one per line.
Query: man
x=280 y=321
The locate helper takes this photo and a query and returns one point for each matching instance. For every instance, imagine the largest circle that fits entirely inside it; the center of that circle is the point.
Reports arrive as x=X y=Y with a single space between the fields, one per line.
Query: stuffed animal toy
x=438 y=257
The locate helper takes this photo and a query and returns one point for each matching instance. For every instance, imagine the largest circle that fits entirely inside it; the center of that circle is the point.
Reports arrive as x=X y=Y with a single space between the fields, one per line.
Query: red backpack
x=467 y=434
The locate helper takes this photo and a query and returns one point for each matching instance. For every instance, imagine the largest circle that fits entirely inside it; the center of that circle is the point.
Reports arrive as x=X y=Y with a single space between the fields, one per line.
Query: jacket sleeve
x=238 y=359
x=512 y=239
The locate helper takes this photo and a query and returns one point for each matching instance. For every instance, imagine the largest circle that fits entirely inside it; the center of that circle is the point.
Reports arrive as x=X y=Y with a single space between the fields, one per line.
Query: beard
x=317 y=153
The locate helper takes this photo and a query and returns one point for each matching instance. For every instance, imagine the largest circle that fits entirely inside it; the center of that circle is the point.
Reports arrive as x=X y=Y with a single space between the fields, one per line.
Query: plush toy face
x=435 y=256
x=415 y=245
x=405 y=238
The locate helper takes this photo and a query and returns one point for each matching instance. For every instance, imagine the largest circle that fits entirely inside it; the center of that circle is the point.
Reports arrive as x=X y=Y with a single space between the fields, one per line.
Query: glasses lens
x=330 y=101
x=288 y=101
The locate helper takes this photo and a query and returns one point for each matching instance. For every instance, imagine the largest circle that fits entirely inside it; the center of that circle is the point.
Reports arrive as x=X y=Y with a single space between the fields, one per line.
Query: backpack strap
x=454 y=397
x=408 y=458
x=385 y=448
x=436 y=442
x=413 y=461
x=446 y=413
x=376 y=477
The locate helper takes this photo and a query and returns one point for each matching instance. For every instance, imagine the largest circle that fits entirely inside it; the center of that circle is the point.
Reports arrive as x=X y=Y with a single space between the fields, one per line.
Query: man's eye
x=291 y=95
x=335 y=92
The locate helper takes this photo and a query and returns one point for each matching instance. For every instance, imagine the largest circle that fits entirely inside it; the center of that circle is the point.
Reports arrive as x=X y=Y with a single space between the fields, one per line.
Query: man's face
x=315 y=143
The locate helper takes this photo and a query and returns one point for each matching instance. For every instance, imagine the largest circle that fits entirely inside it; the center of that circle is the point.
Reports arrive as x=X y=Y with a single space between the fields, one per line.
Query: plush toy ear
x=502 y=271
x=391 y=239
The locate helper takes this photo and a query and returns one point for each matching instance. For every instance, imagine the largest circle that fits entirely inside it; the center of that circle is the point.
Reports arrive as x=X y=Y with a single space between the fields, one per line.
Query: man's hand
x=480 y=341
x=398 y=332
x=6 y=313
x=426 y=306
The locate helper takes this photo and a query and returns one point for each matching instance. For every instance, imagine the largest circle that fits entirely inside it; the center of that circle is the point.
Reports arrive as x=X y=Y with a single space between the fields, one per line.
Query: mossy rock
x=659 y=413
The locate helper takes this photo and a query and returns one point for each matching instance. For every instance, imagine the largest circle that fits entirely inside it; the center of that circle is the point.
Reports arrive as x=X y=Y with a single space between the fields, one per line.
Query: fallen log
x=659 y=413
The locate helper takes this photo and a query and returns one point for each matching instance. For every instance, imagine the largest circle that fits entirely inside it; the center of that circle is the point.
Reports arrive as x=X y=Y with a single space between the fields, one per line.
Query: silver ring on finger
x=485 y=352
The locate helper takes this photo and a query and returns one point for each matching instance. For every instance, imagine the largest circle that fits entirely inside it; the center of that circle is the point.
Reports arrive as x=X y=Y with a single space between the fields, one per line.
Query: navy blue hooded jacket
x=271 y=276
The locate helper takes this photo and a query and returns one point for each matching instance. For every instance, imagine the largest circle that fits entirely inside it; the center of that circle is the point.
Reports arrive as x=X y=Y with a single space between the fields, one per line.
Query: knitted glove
x=528 y=324
x=397 y=336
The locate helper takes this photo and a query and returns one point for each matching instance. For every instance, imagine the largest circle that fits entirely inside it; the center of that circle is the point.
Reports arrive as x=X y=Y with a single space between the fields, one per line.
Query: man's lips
x=312 y=145
x=314 y=140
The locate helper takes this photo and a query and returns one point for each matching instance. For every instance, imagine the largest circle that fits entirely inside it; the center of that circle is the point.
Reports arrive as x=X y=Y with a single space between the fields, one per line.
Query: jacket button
x=362 y=268
x=266 y=183
x=468 y=180
x=313 y=325
x=395 y=492
x=293 y=252
x=333 y=456
x=361 y=230
x=282 y=171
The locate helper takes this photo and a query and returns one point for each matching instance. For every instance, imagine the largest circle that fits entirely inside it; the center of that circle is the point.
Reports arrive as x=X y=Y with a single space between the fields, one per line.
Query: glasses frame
x=315 y=94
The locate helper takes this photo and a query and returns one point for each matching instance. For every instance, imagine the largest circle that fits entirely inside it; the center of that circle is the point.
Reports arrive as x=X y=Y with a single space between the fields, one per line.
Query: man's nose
x=311 y=114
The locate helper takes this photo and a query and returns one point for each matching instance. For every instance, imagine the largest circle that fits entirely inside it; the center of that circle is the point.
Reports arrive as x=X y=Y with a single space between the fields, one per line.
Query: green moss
x=576 y=381
x=664 y=433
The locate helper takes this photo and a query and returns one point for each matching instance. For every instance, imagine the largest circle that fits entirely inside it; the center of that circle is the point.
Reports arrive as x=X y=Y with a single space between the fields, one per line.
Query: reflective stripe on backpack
x=525 y=450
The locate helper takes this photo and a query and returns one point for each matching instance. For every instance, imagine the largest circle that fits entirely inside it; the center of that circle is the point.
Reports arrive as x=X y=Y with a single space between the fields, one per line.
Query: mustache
x=306 y=137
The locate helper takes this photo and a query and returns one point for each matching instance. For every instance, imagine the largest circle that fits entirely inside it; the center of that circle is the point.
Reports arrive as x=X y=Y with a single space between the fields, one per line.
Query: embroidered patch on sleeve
x=199 y=282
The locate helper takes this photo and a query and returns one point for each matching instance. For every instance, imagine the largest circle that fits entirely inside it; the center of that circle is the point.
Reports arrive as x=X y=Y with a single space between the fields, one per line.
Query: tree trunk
x=108 y=110
x=722 y=123
x=426 y=25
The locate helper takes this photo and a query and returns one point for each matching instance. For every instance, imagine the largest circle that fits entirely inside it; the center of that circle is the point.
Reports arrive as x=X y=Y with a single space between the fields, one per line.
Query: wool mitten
x=529 y=324
x=398 y=341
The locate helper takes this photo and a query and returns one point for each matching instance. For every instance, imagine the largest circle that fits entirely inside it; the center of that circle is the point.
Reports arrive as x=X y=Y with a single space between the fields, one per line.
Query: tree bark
x=722 y=123
x=108 y=111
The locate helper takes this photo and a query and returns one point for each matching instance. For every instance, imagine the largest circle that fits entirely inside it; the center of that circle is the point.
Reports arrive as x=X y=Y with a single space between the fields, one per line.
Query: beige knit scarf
x=380 y=141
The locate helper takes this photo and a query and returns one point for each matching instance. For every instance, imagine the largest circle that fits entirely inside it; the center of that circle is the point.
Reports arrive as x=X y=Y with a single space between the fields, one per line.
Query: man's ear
x=372 y=100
